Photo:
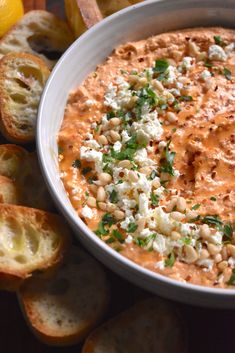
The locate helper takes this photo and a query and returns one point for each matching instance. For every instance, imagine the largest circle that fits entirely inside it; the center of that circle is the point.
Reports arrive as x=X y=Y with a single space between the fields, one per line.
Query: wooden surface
x=209 y=331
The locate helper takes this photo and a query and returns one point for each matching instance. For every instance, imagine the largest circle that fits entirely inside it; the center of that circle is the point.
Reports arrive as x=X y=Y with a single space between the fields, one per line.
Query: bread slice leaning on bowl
x=30 y=240
x=63 y=309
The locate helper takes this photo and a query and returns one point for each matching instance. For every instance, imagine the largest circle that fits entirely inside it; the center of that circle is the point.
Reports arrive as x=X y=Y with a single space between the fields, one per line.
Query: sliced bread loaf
x=40 y=33
x=30 y=240
x=63 y=309
x=8 y=191
x=22 y=78
x=150 y=326
x=11 y=159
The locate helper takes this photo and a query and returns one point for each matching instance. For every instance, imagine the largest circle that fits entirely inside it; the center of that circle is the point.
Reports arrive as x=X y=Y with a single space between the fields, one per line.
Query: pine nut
x=125 y=164
x=205 y=231
x=175 y=235
x=145 y=170
x=177 y=216
x=191 y=215
x=224 y=253
x=141 y=224
x=190 y=254
x=102 y=206
x=171 y=204
x=222 y=265
x=213 y=249
x=119 y=214
x=101 y=194
x=171 y=62
x=194 y=50
x=202 y=56
x=158 y=85
x=102 y=140
x=93 y=188
x=104 y=178
x=142 y=81
x=218 y=258
x=231 y=250
x=111 y=207
x=177 y=55
x=133 y=78
x=133 y=176
x=171 y=117
x=91 y=201
x=204 y=254
x=181 y=204
x=156 y=183
x=114 y=122
x=115 y=136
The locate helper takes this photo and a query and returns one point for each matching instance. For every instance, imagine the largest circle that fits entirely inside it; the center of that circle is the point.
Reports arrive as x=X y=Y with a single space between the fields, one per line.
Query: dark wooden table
x=209 y=331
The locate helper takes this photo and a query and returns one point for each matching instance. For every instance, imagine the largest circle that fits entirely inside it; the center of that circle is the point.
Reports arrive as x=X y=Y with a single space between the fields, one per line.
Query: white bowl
x=136 y=22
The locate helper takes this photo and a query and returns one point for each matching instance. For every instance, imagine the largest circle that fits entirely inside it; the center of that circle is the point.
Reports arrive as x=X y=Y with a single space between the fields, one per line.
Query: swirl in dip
x=147 y=154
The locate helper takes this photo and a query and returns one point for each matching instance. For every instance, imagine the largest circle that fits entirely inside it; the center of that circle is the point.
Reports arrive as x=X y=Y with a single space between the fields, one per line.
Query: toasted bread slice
x=149 y=326
x=23 y=168
x=22 y=78
x=30 y=240
x=40 y=33
x=11 y=159
x=34 y=5
x=8 y=191
x=63 y=309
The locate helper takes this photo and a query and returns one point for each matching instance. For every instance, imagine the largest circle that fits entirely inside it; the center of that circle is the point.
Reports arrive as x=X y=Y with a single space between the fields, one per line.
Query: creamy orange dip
x=147 y=154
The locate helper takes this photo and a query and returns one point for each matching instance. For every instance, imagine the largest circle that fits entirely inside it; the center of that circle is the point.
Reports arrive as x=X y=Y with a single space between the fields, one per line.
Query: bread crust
x=48 y=227
x=37 y=289
x=154 y=319
x=11 y=126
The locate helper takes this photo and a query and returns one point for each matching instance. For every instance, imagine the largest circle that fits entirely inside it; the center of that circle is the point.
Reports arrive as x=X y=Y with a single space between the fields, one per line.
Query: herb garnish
x=107 y=221
x=132 y=227
x=113 y=197
x=218 y=40
x=185 y=98
x=196 y=207
x=160 y=66
x=231 y=281
x=153 y=175
x=186 y=240
x=226 y=229
x=167 y=166
x=169 y=262
x=118 y=235
x=145 y=242
x=212 y=198
x=213 y=220
x=129 y=149
x=76 y=163
x=86 y=170
x=154 y=199
x=228 y=232
x=227 y=73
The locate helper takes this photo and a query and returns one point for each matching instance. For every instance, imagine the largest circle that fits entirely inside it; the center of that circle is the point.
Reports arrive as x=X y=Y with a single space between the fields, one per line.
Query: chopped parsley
x=231 y=281
x=160 y=66
x=107 y=221
x=128 y=151
x=116 y=234
x=153 y=174
x=185 y=98
x=167 y=166
x=113 y=197
x=110 y=115
x=185 y=240
x=76 y=163
x=208 y=64
x=145 y=242
x=132 y=227
x=218 y=40
x=227 y=73
x=196 y=207
x=212 y=198
x=154 y=199
x=213 y=221
x=169 y=262
x=228 y=231
x=86 y=170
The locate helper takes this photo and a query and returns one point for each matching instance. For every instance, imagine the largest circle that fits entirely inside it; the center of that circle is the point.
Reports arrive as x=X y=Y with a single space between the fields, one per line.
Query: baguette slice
x=8 y=191
x=11 y=159
x=63 y=309
x=30 y=240
x=149 y=326
x=22 y=78
x=23 y=168
x=40 y=33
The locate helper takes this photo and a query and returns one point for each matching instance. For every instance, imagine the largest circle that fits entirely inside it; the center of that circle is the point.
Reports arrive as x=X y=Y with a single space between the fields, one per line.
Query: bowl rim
x=73 y=218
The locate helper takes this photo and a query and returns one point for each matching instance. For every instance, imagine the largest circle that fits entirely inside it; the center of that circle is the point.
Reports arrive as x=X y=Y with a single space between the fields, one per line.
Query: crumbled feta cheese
x=87 y=212
x=125 y=136
x=215 y=52
x=159 y=244
x=129 y=239
x=160 y=265
x=208 y=263
x=90 y=155
x=217 y=238
x=229 y=48
x=141 y=157
x=117 y=146
x=205 y=75
x=90 y=102
x=124 y=224
x=170 y=75
x=92 y=144
x=145 y=233
x=187 y=62
x=164 y=223
x=143 y=204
